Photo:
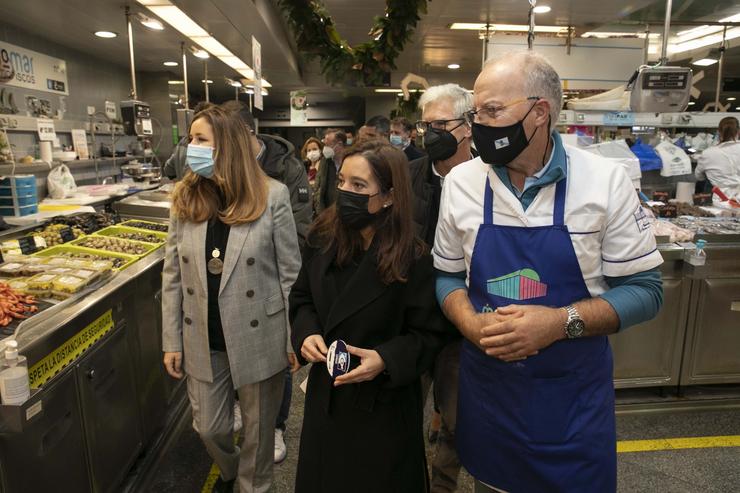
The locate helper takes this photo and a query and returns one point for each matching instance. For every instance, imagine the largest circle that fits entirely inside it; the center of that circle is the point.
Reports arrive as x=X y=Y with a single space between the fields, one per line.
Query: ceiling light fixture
x=235 y=83
x=616 y=34
x=731 y=99
x=704 y=62
x=691 y=103
x=541 y=9
x=105 y=34
x=152 y=24
x=519 y=28
x=453 y=66
x=204 y=81
x=172 y=15
x=170 y=64
x=176 y=82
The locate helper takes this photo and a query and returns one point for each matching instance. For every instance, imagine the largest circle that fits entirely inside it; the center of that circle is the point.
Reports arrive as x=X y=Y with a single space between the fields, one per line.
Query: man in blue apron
x=557 y=254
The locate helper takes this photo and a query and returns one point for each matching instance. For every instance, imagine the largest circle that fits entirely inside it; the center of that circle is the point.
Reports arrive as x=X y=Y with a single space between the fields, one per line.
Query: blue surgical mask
x=200 y=160
x=349 y=142
x=396 y=140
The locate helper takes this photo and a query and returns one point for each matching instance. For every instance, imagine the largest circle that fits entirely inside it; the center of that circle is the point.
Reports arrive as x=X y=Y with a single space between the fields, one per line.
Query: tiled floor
x=711 y=470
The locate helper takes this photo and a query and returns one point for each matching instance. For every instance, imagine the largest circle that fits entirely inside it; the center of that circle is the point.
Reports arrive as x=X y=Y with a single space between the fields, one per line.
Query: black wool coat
x=366 y=437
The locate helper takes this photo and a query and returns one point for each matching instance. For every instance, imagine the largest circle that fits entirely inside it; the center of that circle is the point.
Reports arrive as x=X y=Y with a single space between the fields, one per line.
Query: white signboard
x=79 y=141
x=257 y=60
x=298 y=108
x=20 y=67
x=110 y=110
x=46 y=129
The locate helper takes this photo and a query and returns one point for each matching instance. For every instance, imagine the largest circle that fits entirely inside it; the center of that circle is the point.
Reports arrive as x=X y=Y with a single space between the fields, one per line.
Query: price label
x=27 y=245
x=45 y=129
x=67 y=234
x=619 y=118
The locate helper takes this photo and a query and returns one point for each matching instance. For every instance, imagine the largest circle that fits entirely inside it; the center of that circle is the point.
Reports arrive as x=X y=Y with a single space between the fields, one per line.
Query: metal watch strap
x=573 y=314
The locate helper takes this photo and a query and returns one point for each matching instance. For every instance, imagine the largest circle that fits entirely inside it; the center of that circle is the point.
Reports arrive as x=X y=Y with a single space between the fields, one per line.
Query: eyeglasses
x=488 y=113
x=423 y=127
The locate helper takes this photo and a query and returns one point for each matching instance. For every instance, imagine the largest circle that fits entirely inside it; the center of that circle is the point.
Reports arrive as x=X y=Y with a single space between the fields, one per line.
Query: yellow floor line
x=211 y=479
x=677 y=443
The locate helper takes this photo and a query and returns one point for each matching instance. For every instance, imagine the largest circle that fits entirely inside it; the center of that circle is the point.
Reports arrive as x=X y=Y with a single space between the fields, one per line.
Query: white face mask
x=313 y=155
x=328 y=152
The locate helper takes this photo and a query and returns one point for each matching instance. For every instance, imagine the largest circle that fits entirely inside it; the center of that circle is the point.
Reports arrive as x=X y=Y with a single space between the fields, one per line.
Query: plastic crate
x=150 y=247
x=60 y=250
x=115 y=230
x=20 y=211
x=23 y=201
x=128 y=223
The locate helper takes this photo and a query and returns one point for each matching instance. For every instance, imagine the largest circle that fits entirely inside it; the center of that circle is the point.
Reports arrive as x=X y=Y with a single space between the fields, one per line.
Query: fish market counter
x=99 y=392
x=695 y=337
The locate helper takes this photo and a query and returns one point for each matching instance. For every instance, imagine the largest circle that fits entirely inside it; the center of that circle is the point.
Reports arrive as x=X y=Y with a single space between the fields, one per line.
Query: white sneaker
x=237 y=417
x=280 y=449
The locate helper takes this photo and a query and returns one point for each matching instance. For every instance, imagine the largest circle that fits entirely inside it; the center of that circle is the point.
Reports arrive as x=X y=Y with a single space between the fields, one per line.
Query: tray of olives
x=134 y=234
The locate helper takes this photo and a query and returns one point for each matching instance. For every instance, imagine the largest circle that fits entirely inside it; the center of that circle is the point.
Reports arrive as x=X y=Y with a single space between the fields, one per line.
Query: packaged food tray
x=65 y=250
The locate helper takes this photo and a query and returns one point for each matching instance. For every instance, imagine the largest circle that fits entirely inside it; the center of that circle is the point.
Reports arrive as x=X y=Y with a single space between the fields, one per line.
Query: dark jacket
x=366 y=437
x=412 y=152
x=427 y=189
x=280 y=162
x=325 y=187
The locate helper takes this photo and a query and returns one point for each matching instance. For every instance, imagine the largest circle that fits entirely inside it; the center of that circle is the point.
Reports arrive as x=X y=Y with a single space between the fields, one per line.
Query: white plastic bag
x=619 y=151
x=60 y=182
x=675 y=161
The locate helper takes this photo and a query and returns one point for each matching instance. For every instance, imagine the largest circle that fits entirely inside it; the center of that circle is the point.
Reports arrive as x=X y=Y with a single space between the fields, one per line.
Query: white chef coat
x=720 y=165
x=610 y=232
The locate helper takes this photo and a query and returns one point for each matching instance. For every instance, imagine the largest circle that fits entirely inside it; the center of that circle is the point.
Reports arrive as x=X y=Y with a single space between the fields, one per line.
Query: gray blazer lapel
x=237 y=238
x=195 y=234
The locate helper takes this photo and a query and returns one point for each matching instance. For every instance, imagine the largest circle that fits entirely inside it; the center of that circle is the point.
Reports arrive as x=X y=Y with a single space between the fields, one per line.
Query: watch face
x=576 y=328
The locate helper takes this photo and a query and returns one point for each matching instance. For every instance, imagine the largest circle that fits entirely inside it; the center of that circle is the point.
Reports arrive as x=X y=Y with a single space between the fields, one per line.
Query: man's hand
x=474 y=331
x=371 y=364
x=522 y=330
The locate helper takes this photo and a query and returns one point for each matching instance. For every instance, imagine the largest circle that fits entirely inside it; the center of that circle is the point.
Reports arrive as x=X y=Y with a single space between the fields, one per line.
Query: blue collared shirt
x=553 y=171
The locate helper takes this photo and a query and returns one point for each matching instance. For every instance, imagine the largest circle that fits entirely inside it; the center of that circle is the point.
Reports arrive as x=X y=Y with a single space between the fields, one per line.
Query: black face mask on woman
x=440 y=144
x=501 y=145
x=352 y=209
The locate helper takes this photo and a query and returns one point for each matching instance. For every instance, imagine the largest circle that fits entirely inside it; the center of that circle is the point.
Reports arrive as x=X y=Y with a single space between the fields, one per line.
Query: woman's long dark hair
x=395 y=233
x=728 y=128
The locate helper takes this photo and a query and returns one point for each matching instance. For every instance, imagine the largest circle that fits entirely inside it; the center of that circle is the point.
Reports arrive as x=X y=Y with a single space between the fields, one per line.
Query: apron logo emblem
x=500 y=143
x=521 y=285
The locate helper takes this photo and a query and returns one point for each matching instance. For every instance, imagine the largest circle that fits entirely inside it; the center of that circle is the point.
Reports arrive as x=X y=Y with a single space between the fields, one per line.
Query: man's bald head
x=517 y=75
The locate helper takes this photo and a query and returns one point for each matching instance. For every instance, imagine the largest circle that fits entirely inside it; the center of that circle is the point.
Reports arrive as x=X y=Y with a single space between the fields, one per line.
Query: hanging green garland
x=365 y=64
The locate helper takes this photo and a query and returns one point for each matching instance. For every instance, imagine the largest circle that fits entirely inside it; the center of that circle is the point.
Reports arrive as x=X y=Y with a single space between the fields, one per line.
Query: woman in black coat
x=366 y=280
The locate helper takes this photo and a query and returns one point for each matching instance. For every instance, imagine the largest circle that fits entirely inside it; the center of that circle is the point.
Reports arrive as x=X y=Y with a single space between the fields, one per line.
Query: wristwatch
x=574 y=326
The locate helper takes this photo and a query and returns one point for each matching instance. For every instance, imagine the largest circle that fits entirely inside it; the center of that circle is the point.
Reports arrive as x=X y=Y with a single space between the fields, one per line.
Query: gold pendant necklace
x=215 y=264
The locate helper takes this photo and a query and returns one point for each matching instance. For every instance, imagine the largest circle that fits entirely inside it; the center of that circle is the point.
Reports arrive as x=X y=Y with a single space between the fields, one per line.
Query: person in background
x=447 y=140
x=367 y=280
x=401 y=138
x=277 y=159
x=231 y=257
x=326 y=186
x=720 y=164
x=175 y=167
x=312 y=156
x=377 y=127
x=350 y=137
x=556 y=258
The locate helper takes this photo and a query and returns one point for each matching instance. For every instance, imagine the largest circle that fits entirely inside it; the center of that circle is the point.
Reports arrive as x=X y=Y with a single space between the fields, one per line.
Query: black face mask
x=440 y=144
x=352 y=209
x=501 y=145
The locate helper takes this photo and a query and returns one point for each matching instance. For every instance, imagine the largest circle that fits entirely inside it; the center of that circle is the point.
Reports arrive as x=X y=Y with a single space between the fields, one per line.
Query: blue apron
x=546 y=423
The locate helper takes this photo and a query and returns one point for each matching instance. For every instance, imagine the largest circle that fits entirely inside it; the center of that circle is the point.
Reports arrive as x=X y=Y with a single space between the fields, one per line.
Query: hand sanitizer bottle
x=699 y=256
x=14 y=384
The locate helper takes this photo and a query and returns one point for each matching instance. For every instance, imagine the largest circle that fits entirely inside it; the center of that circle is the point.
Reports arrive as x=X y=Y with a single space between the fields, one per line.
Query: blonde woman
x=231 y=257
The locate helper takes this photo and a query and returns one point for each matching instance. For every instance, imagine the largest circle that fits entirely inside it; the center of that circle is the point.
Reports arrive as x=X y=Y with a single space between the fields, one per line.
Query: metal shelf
x=630 y=119
x=19 y=123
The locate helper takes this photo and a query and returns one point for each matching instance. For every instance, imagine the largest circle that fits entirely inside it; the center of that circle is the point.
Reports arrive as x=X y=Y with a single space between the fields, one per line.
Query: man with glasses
x=447 y=142
x=557 y=254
